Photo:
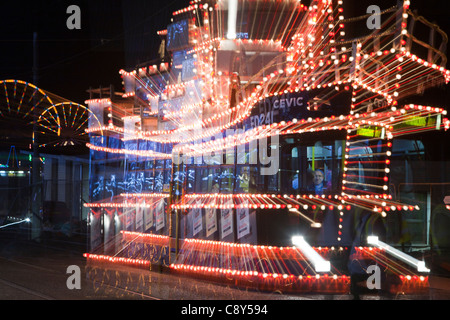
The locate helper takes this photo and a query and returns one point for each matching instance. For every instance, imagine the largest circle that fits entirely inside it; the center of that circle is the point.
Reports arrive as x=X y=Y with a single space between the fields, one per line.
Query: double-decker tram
x=262 y=152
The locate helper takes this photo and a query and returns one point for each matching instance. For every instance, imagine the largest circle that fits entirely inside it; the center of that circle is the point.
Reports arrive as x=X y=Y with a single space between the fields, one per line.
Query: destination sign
x=298 y=105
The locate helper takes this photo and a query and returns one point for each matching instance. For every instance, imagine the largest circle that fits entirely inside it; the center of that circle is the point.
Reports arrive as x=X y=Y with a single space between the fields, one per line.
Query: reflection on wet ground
x=154 y=284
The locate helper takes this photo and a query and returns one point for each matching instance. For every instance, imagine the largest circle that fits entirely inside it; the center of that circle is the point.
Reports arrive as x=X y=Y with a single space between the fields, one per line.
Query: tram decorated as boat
x=264 y=149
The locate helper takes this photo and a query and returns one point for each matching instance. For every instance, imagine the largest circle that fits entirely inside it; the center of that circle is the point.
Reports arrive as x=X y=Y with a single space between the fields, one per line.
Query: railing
x=434 y=54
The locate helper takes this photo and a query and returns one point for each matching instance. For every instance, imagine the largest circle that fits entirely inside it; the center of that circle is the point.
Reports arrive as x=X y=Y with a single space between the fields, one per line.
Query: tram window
x=202 y=180
x=148 y=185
x=190 y=183
x=166 y=183
x=149 y=164
x=310 y=166
x=159 y=181
x=319 y=168
x=114 y=143
x=159 y=164
x=405 y=163
x=294 y=173
x=243 y=179
x=134 y=165
x=258 y=181
x=253 y=184
x=360 y=152
x=289 y=172
x=198 y=179
x=210 y=180
x=168 y=148
x=227 y=180
x=214 y=181
x=178 y=180
x=404 y=147
x=272 y=183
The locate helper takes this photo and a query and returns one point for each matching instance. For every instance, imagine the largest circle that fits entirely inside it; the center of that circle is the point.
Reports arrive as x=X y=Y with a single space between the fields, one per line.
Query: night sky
x=114 y=34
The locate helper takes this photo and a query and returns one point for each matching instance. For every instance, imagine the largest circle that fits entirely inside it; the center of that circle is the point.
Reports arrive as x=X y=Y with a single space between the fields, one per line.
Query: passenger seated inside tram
x=244 y=179
x=319 y=185
x=295 y=182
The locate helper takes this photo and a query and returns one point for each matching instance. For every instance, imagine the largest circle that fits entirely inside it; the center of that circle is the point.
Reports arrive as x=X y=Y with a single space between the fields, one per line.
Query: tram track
x=29 y=265
x=127 y=291
x=23 y=277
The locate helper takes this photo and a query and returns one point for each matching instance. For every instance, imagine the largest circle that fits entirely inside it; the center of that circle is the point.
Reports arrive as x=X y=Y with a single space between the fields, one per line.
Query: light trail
x=320 y=264
x=14 y=223
x=420 y=265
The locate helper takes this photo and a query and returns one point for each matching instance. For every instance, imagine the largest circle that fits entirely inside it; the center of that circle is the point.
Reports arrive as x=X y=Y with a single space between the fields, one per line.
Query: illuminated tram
x=262 y=152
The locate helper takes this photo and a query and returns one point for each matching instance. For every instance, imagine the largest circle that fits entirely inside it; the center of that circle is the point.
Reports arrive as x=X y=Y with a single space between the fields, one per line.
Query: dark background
x=114 y=34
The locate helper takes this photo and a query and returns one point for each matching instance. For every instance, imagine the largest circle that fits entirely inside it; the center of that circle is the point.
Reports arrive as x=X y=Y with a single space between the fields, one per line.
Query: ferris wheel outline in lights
x=66 y=121
x=61 y=122
x=38 y=95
